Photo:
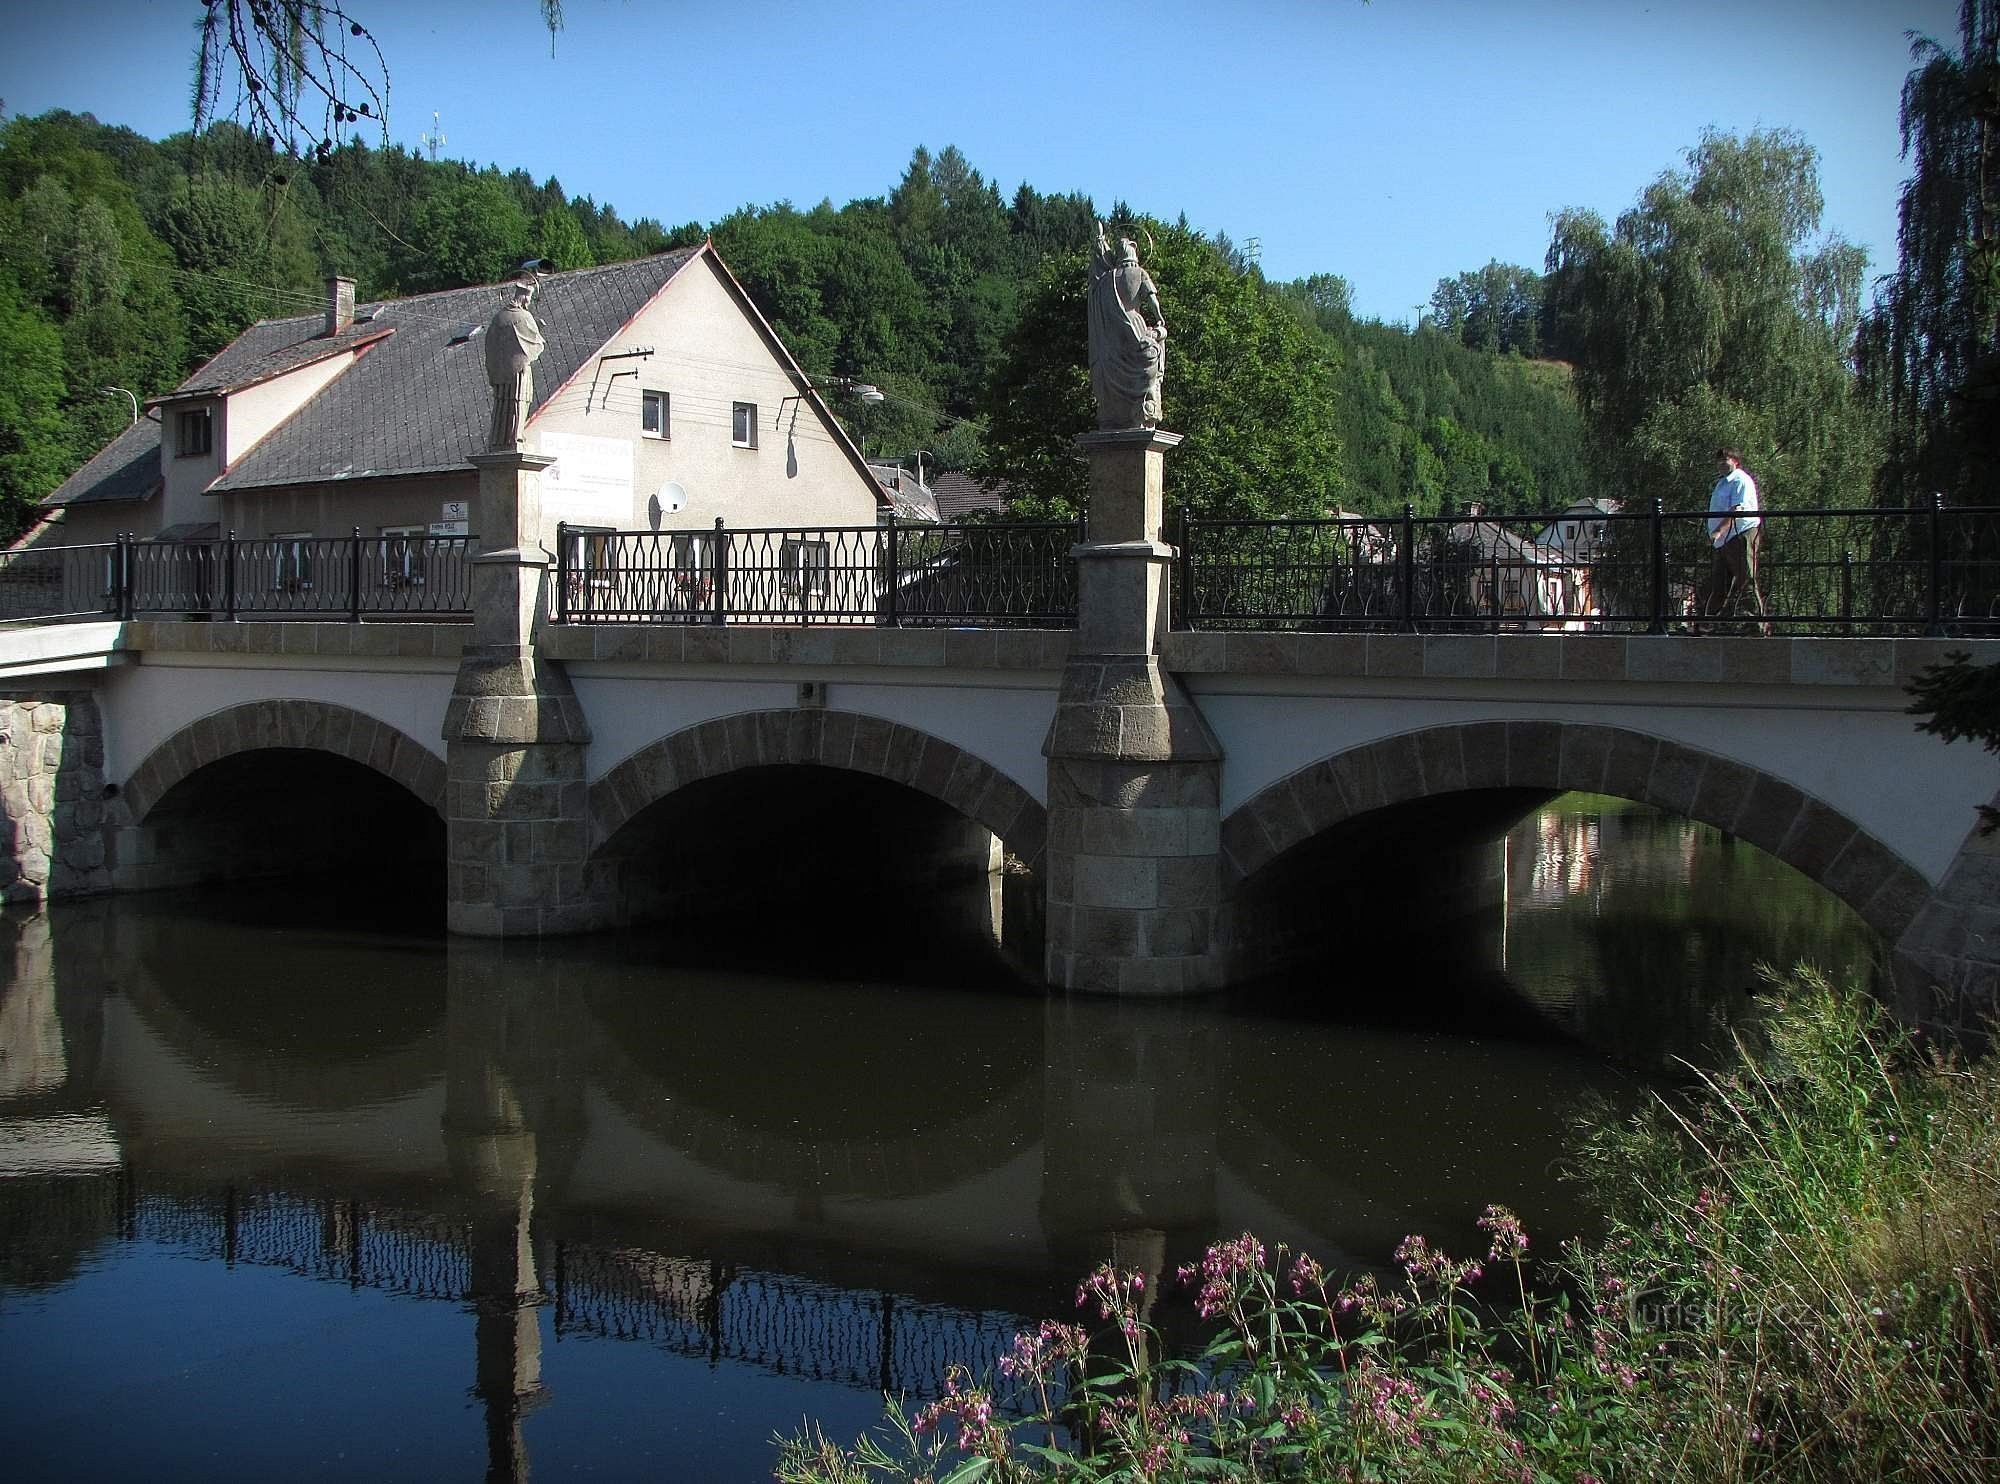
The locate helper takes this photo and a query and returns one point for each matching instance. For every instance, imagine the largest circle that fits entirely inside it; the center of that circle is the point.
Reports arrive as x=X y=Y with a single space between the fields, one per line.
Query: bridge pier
x=1134 y=857
x=517 y=799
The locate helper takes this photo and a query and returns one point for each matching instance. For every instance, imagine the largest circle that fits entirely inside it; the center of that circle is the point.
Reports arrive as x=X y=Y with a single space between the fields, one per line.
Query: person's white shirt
x=1732 y=506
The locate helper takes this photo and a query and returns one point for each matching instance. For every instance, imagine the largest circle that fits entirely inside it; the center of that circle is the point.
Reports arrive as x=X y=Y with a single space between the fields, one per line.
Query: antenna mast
x=434 y=140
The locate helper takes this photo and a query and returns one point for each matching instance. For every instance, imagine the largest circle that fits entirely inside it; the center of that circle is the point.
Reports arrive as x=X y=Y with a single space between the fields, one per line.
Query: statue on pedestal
x=1128 y=337
x=513 y=341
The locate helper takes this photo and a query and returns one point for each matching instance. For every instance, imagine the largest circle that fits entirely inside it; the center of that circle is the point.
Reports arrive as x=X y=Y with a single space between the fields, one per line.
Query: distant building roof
x=960 y=495
x=908 y=496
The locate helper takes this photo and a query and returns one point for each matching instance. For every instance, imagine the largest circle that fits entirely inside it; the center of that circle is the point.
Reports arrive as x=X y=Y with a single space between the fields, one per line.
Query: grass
x=1797 y=1282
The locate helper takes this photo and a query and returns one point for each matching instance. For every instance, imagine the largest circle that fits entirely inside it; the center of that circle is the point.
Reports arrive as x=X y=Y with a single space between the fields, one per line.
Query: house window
x=194 y=432
x=292 y=561
x=404 y=550
x=806 y=567
x=653 y=421
x=743 y=424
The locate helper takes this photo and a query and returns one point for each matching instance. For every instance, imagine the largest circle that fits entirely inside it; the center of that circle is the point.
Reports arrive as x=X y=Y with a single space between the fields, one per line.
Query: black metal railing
x=893 y=574
x=50 y=582
x=353 y=577
x=1931 y=570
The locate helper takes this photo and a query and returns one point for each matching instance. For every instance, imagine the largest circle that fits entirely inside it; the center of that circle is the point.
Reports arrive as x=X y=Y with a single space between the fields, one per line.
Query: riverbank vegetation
x=1799 y=1279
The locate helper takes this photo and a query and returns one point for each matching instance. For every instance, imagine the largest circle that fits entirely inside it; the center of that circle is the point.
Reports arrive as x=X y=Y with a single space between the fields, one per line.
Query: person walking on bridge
x=1737 y=533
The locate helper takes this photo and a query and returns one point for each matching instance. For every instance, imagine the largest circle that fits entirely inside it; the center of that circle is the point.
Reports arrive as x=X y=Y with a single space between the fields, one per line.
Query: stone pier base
x=517 y=804
x=1134 y=857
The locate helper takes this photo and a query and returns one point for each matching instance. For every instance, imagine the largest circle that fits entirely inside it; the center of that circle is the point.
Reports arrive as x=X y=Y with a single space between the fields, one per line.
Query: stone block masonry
x=52 y=796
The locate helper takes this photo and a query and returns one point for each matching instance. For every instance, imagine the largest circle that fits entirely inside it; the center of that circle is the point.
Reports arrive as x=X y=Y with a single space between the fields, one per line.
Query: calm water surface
x=285 y=1197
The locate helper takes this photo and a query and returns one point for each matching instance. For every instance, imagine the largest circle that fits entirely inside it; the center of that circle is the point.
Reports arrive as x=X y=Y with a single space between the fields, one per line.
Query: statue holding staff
x=513 y=341
x=1128 y=337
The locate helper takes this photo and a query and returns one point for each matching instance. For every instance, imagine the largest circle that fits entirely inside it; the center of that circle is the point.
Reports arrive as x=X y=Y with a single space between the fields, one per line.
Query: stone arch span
x=1804 y=832
x=827 y=739
x=303 y=725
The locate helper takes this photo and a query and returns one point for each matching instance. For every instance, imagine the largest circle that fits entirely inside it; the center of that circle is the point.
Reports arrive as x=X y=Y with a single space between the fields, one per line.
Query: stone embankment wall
x=52 y=807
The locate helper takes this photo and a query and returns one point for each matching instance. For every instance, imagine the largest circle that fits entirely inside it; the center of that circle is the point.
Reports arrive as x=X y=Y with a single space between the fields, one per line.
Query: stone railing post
x=517 y=808
x=1134 y=879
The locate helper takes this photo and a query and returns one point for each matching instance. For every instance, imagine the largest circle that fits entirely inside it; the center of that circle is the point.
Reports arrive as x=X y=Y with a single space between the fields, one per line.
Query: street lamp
x=116 y=391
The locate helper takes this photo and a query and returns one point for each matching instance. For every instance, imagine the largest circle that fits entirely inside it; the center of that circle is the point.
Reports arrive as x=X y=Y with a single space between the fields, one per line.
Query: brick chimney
x=339 y=304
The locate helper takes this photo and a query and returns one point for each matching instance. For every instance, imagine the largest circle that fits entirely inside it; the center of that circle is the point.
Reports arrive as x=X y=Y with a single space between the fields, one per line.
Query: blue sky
x=1394 y=143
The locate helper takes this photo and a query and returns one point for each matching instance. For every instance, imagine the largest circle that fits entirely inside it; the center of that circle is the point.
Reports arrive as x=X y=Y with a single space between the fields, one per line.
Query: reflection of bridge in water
x=697 y=1307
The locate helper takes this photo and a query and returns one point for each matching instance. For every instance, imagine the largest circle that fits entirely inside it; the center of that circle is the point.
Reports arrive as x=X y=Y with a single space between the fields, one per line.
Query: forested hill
x=125 y=262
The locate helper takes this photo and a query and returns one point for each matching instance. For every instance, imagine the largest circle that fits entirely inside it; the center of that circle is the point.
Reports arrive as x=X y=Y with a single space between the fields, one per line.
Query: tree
x=1250 y=387
x=558 y=239
x=470 y=231
x=1498 y=309
x=1929 y=347
x=1704 y=317
x=36 y=449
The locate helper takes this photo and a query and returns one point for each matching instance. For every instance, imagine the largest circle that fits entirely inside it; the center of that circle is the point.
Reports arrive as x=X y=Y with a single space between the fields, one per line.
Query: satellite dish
x=668 y=499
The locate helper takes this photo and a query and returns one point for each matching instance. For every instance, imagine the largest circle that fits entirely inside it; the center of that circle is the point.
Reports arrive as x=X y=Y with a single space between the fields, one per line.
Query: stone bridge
x=1129 y=786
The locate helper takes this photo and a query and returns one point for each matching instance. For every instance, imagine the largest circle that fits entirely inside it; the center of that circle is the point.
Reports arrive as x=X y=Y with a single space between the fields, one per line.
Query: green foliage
x=1929 y=346
x=1247 y=383
x=1799 y=1281
x=1705 y=317
x=557 y=238
x=472 y=230
x=1959 y=699
x=35 y=438
x=1497 y=309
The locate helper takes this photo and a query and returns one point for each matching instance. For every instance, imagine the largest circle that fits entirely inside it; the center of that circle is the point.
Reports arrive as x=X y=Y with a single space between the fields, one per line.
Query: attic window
x=367 y=313
x=653 y=421
x=194 y=432
x=465 y=333
x=743 y=424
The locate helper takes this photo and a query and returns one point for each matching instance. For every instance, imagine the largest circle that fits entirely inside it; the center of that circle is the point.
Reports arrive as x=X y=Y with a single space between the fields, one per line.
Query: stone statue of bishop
x=513 y=341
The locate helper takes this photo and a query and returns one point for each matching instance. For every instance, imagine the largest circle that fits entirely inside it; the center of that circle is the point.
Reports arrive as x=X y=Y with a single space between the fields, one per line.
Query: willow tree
x=1930 y=344
x=1714 y=312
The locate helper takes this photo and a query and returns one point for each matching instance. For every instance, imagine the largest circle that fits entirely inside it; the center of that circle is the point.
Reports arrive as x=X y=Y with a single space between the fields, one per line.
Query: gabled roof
x=413 y=402
x=418 y=403
x=126 y=468
x=960 y=495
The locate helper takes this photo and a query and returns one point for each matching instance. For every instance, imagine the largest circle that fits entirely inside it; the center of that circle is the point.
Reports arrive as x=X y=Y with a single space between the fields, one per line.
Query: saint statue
x=1128 y=337
x=513 y=341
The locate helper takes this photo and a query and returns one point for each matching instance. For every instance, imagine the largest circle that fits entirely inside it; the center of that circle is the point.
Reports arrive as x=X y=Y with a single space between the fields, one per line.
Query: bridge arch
x=1807 y=834
x=289 y=723
x=828 y=739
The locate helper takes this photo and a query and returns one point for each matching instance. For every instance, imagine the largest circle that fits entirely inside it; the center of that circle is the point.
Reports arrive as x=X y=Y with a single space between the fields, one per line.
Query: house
x=961 y=497
x=909 y=496
x=665 y=397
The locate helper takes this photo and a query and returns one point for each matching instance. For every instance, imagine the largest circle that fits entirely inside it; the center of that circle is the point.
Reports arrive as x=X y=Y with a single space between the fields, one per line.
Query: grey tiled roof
x=126 y=468
x=960 y=495
x=415 y=403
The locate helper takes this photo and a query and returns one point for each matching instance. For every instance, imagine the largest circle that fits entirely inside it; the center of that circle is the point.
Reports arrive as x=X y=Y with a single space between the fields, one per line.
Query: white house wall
x=707 y=354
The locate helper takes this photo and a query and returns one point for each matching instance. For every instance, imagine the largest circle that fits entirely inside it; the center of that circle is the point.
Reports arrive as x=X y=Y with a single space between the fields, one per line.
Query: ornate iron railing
x=46 y=582
x=353 y=577
x=1932 y=570
x=892 y=574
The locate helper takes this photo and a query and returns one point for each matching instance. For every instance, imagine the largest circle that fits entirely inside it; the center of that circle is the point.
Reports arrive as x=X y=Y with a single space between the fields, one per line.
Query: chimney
x=339 y=304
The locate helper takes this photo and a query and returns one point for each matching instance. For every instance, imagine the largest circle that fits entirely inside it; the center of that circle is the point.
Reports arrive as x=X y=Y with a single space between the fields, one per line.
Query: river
x=280 y=1195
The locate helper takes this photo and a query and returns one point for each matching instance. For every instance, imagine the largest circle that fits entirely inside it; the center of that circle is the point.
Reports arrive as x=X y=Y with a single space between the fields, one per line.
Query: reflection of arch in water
x=409 y=1061
x=1810 y=836
x=693 y=1088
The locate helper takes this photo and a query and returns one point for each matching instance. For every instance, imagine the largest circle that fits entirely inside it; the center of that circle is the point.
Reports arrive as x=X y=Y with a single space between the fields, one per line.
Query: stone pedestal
x=1134 y=875
x=517 y=808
